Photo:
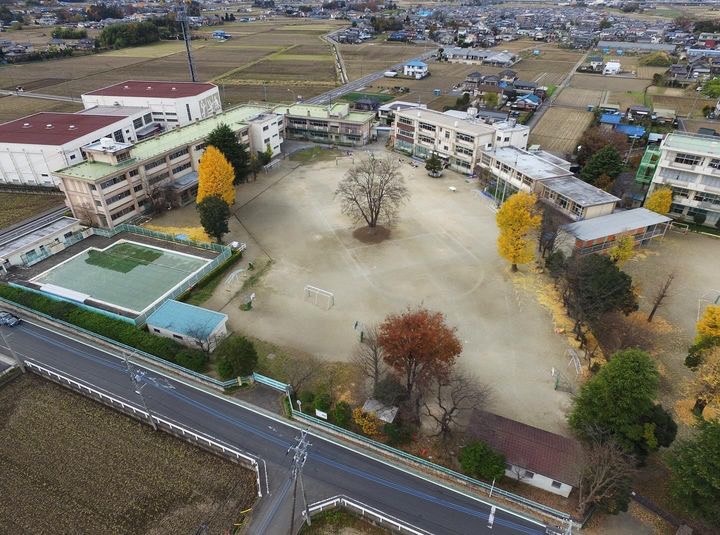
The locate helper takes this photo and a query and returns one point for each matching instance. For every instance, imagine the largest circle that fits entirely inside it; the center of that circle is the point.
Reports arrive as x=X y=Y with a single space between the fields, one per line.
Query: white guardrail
x=173 y=428
x=378 y=516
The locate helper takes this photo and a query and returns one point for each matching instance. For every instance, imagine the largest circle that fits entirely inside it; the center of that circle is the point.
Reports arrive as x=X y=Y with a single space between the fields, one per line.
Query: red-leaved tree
x=420 y=348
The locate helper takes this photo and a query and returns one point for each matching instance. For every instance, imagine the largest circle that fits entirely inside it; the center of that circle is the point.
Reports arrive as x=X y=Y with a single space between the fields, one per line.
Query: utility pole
x=296 y=470
x=136 y=375
x=182 y=17
x=14 y=355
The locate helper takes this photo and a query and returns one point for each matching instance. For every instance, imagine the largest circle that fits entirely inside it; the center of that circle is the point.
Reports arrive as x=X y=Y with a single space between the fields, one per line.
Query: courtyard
x=441 y=255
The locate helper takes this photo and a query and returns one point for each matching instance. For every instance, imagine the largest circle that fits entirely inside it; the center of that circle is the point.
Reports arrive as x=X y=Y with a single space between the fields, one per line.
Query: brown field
x=695 y=124
x=560 y=129
x=610 y=83
x=683 y=105
x=17 y=207
x=625 y=99
x=579 y=98
x=540 y=76
x=667 y=91
x=373 y=56
x=252 y=45
x=38 y=36
x=71 y=465
x=13 y=107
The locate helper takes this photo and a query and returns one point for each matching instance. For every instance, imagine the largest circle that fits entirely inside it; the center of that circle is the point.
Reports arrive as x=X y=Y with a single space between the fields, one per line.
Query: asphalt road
x=331 y=469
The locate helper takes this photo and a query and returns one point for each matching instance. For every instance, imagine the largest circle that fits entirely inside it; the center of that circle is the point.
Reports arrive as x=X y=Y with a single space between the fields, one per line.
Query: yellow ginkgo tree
x=515 y=219
x=659 y=200
x=215 y=176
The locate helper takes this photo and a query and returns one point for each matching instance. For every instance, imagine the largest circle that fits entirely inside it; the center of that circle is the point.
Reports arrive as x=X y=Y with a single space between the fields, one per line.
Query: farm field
x=375 y=55
x=12 y=107
x=281 y=59
x=610 y=83
x=684 y=106
x=560 y=129
x=71 y=465
x=580 y=98
x=17 y=207
x=625 y=99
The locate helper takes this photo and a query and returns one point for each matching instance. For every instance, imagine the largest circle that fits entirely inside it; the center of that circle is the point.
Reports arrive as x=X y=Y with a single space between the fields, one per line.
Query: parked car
x=9 y=320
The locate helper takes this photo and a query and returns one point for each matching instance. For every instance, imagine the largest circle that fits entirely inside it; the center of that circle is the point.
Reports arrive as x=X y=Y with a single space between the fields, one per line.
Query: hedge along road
x=331 y=469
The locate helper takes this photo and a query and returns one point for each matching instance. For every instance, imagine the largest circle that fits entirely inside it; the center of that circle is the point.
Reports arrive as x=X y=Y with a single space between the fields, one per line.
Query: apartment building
x=690 y=165
x=507 y=170
x=335 y=123
x=459 y=142
x=33 y=147
x=171 y=103
x=120 y=181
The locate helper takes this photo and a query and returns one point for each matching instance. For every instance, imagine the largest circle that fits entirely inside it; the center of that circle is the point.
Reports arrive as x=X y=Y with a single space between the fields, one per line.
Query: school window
x=138 y=123
x=528 y=474
x=157 y=178
x=154 y=164
x=428 y=127
x=405 y=120
x=687 y=159
x=112 y=181
x=137 y=188
x=265 y=128
x=122 y=156
x=187 y=108
x=715 y=163
x=465 y=138
x=711 y=198
x=147 y=118
x=201 y=146
x=182 y=167
x=72 y=156
x=118 y=135
x=556 y=484
x=179 y=153
x=119 y=196
x=133 y=173
x=122 y=212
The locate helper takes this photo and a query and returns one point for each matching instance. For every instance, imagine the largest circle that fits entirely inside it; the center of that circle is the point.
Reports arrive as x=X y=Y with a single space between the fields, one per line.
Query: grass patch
x=258 y=273
x=123 y=257
x=382 y=98
x=336 y=520
x=103 y=472
x=701 y=228
x=313 y=154
x=17 y=207
x=551 y=89
x=202 y=291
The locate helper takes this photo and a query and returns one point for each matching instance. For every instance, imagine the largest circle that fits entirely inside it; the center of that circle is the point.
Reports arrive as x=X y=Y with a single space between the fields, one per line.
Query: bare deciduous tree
x=454 y=396
x=605 y=475
x=368 y=357
x=660 y=295
x=297 y=371
x=373 y=190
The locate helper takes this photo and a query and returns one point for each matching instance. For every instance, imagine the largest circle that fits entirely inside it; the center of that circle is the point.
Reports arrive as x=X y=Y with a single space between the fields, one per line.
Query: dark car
x=9 y=320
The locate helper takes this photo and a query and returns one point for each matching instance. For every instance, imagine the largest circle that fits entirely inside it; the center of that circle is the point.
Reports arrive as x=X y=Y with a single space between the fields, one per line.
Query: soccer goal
x=319 y=297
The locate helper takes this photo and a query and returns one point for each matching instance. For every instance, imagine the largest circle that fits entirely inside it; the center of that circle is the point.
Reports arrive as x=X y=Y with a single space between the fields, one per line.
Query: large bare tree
x=373 y=191
x=454 y=397
x=605 y=475
x=368 y=357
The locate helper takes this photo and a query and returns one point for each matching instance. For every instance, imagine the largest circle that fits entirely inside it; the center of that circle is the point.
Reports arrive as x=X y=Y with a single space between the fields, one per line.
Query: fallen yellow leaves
x=194 y=233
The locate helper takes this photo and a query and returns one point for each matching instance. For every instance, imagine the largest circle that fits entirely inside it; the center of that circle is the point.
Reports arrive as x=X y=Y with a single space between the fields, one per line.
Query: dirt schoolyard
x=441 y=255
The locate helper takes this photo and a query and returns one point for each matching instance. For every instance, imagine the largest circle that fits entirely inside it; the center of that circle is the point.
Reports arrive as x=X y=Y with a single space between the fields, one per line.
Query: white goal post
x=319 y=297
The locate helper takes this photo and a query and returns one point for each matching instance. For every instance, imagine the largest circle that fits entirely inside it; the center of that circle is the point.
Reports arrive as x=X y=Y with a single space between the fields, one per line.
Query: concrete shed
x=188 y=324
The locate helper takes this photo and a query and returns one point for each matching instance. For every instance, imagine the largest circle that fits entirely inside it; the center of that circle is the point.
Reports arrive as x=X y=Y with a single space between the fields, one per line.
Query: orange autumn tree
x=215 y=176
x=420 y=347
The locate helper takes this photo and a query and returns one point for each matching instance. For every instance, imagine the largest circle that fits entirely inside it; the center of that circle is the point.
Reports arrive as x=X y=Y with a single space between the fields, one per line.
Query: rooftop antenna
x=183 y=19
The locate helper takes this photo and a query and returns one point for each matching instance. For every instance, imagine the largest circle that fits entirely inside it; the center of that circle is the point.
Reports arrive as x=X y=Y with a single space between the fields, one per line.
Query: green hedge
x=114 y=329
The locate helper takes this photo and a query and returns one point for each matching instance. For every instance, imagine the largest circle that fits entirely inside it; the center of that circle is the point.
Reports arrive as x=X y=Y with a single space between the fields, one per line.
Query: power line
x=183 y=19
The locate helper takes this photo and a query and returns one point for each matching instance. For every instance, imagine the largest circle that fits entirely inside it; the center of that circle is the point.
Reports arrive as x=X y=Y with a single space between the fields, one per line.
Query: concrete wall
x=218 y=334
x=539 y=481
x=29 y=164
x=169 y=111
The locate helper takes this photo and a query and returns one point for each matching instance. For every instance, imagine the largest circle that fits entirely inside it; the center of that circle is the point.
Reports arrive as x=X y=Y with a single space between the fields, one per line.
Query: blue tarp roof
x=416 y=63
x=630 y=130
x=610 y=118
x=182 y=318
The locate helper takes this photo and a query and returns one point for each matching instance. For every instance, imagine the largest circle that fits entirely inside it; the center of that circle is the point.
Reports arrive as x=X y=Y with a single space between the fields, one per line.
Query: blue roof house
x=190 y=325
x=415 y=69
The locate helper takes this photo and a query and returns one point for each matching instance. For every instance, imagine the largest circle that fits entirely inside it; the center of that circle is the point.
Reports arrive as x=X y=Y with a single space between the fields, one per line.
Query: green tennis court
x=126 y=274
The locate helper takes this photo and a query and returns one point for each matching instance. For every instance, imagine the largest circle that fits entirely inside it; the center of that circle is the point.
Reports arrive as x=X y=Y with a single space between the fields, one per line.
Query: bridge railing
x=168 y=425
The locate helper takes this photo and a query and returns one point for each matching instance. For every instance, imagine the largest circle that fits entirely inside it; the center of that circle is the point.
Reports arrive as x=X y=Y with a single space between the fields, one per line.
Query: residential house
x=533 y=456
x=507 y=76
x=612 y=67
x=416 y=69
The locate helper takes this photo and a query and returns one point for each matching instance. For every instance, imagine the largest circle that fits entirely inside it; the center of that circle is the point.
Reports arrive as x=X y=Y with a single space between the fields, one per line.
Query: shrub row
x=115 y=329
